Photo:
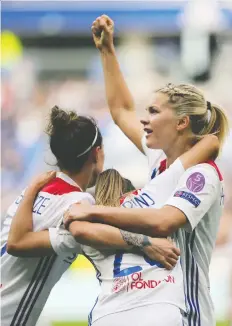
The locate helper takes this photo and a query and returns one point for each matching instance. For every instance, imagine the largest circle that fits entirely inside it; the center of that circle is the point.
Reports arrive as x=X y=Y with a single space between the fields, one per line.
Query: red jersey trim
x=135 y=192
x=59 y=187
x=213 y=164
x=163 y=166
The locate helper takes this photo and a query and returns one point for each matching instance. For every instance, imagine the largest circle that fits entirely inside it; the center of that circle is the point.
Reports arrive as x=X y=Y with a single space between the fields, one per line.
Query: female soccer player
x=177 y=116
x=132 y=285
x=23 y=241
x=76 y=143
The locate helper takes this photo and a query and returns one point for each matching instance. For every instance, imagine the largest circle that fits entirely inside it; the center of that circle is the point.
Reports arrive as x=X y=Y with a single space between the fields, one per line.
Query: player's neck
x=82 y=179
x=177 y=149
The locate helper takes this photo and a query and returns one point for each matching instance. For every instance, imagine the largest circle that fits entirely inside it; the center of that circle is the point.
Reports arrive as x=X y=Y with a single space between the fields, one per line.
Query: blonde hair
x=205 y=117
x=110 y=187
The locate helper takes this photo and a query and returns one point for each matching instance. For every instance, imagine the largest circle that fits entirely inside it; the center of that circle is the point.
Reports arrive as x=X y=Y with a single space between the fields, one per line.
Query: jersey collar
x=67 y=179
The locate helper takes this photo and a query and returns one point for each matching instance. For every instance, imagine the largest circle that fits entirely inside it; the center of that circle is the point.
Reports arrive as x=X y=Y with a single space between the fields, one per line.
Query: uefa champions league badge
x=196 y=182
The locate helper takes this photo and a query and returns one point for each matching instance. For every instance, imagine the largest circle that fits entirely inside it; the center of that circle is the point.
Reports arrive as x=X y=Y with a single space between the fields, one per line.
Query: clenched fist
x=103 y=31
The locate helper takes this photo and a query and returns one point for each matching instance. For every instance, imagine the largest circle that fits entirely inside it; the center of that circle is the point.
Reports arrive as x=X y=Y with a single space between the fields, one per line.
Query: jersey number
x=133 y=269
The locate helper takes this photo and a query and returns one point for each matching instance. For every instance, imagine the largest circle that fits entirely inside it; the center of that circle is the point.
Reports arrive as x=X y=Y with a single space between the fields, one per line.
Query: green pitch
x=80 y=323
x=84 y=323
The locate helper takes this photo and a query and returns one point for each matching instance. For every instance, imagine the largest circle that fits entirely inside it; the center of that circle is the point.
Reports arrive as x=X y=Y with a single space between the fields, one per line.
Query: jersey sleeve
x=167 y=180
x=154 y=156
x=63 y=242
x=195 y=193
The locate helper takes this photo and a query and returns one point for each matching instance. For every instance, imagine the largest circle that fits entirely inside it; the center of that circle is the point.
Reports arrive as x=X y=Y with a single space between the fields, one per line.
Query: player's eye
x=152 y=110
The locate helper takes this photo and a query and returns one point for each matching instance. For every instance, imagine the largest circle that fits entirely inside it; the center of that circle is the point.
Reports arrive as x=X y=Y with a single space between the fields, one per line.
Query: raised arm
x=119 y=98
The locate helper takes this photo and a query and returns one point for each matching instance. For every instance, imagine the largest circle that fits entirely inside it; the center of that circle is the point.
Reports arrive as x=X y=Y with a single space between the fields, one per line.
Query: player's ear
x=183 y=123
x=98 y=155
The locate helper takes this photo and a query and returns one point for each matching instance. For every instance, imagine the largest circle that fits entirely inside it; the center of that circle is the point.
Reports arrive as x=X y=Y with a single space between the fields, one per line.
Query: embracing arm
x=100 y=236
x=23 y=242
x=202 y=151
x=152 y=222
x=119 y=98
x=194 y=195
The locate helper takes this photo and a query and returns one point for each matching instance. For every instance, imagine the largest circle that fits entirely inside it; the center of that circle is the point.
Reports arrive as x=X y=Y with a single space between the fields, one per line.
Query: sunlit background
x=48 y=58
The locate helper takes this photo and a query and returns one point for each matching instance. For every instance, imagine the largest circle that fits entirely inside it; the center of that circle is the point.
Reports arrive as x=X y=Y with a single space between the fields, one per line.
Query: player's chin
x=152 y=142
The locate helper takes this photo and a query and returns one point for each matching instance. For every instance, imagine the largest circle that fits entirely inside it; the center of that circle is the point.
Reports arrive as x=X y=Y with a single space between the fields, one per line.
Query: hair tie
x=209 y=111
x=89 y=148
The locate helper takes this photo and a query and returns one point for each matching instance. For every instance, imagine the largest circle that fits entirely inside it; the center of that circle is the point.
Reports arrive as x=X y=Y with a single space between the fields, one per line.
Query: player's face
x=98 y=167
x=160 y=123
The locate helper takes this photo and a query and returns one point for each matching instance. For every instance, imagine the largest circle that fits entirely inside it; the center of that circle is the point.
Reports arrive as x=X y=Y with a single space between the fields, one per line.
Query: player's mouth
x=148 y=132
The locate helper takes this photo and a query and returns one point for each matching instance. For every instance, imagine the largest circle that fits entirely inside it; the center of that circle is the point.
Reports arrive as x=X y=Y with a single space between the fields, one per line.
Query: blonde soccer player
x=176 y=117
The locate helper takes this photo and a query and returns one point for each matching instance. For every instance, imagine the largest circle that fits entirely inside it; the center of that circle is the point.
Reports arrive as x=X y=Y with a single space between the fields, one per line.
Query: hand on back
x=164 y=251
x=39 y=182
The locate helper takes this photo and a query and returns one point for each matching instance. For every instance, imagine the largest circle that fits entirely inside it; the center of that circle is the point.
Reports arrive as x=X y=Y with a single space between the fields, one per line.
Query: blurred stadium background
x=48 y=58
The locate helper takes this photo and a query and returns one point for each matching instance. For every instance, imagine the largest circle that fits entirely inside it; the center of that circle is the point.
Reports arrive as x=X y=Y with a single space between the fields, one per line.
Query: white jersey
x=27 y=282
x=199 y=194
x=129 y=280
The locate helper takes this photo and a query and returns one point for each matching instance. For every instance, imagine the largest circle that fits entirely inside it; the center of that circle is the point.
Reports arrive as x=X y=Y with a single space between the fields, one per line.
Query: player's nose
x=144 y=121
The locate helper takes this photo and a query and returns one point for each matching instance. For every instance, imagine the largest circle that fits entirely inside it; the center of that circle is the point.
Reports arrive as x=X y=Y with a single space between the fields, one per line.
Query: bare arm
x=152 y=222
x=119 y=98
x=23 y=242
x=205 y=149
x=102 y=236
x=184 y=208
x=99 y=236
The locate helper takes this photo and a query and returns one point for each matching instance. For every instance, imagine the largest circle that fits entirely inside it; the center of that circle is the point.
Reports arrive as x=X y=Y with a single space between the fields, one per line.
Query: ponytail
x=205 y=118
x=72 y=138
x=217 y=123
x=110 y=187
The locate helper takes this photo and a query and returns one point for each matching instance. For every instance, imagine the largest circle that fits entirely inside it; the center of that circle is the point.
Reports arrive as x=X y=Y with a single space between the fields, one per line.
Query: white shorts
x=160 y=314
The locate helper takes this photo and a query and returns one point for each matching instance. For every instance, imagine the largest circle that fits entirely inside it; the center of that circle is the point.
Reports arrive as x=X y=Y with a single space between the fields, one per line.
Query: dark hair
x=70 y=136
x=127 y=186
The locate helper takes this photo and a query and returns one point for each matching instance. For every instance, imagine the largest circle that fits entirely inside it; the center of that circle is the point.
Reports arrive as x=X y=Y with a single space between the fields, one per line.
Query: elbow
x=79 y=231
x=163 y=229
x=216 y=145
x=12 y=249
x=214 y=141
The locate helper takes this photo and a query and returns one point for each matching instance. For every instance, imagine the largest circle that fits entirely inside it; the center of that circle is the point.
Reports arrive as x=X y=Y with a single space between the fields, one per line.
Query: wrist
x=146 y=242
x=110 y=50
x=94 y=213
x=31 y=193
x=139 y=241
